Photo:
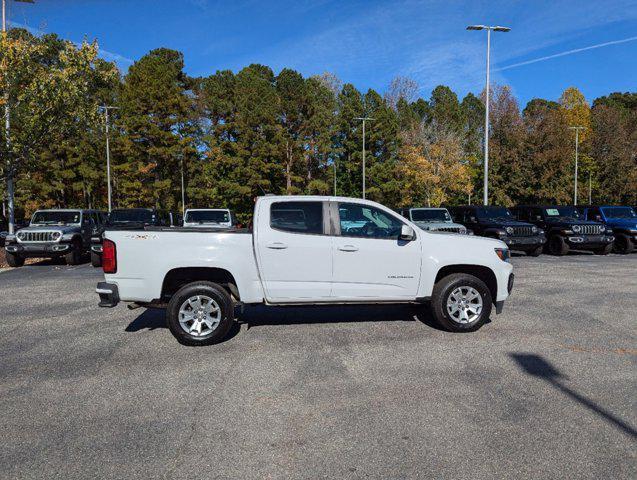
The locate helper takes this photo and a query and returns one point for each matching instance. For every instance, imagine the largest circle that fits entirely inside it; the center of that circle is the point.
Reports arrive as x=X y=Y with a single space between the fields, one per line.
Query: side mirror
x=407 y=233
x=598 y=218
x=472 y=219
x=538 y=218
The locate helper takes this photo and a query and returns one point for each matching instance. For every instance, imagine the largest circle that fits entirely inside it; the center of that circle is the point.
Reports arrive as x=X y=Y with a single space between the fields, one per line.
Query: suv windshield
x=207 y=216
x=426 y=215
x=494 y=213
x=619 y=212
x=56 y=218
x=568 y=213
x=130 y=216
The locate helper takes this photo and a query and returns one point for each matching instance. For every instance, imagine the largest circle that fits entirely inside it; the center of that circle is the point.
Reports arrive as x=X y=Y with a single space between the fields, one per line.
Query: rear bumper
x=109 y=294
x=39 y=249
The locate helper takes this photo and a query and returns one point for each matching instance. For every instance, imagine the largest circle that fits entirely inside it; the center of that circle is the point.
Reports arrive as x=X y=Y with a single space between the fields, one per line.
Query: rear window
x=207 y=216
x=298 y=217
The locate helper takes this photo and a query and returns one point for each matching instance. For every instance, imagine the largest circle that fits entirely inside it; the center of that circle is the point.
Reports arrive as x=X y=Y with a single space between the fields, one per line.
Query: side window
x=367 y=222
x=297 y=217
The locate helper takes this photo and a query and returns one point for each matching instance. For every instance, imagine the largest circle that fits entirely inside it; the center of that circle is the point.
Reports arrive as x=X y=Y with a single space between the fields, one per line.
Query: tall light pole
x=7 y=129
x=105 y=109
x=496 y=28
x=364 y=119
x=577 y=129
x=183 y=191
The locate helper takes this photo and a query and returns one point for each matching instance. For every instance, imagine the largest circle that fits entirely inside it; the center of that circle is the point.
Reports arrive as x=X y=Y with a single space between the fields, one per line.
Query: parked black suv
x=497 y=222
x=52 y=234
x=130 y=219
x=566 y=229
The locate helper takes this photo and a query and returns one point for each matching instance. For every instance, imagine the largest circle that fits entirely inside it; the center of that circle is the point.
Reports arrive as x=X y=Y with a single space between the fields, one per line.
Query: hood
x=47 y=228
x=438 y=225
x=469 y=243
x=558 y=221
x=506 y=223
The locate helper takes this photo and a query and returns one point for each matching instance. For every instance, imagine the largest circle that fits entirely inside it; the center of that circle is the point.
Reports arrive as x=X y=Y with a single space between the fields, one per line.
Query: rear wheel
x=557 y=245
x=623 y=244
x=200 y=313
x=461 y=302
x=536 y=252
x=96 y=260
x=14 y=260
x=604 y=250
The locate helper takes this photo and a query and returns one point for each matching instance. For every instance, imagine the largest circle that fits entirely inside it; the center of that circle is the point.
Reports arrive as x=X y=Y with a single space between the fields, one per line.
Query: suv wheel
x=623 y=244
x=200 y=313
x=557 y=245
x=461 y=302
x=13 y=259
x=536 y=252
x=96 y=260
x=74 y=257
x=604 y=250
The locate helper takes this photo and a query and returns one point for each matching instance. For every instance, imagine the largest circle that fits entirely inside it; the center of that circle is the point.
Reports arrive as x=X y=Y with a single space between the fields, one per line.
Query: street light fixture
x=364 y=119
x=496 y=28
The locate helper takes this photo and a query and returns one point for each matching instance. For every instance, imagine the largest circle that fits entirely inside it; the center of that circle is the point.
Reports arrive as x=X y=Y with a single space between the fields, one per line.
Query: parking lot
x=545 y=390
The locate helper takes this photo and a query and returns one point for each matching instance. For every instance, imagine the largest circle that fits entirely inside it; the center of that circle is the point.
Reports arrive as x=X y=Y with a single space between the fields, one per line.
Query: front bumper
x=524 y=243
x=52 y=249
x=588 y=241
x=109 y=294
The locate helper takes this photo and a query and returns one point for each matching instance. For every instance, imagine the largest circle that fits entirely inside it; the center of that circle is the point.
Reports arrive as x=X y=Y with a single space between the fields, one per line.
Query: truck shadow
x=536 y=366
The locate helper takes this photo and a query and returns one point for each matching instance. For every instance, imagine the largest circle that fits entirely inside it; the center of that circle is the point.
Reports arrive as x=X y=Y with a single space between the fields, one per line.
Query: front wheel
x=14 y=260
x=536 y=252
x=623 y=244
x=96 y=260
x=200 y=313
x=557 y=245
x=461 y=302
x=604 y=250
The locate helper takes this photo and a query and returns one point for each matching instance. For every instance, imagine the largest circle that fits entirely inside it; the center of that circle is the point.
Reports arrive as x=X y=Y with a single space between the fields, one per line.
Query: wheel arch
x=479 y=271
x=178 y=277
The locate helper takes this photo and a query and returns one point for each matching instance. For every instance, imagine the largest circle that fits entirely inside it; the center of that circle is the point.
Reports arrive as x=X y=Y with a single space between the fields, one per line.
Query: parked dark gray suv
x=53 y=234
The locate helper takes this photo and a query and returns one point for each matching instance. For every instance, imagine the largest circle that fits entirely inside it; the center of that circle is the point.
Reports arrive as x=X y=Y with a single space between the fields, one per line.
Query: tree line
x=235 y=136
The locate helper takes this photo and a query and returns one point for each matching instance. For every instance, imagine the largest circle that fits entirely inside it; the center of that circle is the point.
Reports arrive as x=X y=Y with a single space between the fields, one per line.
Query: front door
x=294 y=251
x=370 y=262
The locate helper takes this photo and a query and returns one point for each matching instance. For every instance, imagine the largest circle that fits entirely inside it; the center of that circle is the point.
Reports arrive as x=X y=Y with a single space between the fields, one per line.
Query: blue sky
x=369 y=42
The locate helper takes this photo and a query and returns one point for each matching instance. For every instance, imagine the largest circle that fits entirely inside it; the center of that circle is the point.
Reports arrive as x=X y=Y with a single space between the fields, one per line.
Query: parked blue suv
x=623 y=221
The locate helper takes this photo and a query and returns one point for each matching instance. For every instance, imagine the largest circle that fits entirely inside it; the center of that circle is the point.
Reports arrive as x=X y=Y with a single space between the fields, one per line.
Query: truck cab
x=566 y=229
x=622 y=221
x=433 y=220
x=498 y=222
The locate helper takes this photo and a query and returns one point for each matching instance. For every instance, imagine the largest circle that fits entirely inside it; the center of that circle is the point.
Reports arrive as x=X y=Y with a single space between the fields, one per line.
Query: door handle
x=277 y=245
x=348 y=248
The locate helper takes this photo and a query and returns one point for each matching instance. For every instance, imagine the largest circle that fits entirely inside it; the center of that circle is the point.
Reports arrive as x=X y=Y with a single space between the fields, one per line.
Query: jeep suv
x=622 y=220
x=566 y=229
x=54 y=234
x=433 y=220
x=497 y=222
x=129 y=219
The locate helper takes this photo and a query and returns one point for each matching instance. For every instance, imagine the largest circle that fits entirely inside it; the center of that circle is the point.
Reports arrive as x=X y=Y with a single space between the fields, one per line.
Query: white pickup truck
x=303 y=250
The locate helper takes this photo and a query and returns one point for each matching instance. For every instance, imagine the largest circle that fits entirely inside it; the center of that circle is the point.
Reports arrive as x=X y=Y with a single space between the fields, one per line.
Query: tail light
x=109 y=257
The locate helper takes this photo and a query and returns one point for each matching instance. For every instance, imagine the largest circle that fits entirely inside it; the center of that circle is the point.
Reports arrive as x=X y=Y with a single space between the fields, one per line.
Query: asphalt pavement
x=546 y=390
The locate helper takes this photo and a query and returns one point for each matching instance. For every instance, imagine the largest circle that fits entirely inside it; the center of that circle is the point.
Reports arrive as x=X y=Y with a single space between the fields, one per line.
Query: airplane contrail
x=568 y=52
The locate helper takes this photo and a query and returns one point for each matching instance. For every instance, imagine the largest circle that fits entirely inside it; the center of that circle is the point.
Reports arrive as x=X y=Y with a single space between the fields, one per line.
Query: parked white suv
x=304 y=250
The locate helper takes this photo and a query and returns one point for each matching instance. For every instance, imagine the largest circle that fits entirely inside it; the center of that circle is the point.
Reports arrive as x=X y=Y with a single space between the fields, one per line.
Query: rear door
x=294 y=250
x=370 y=262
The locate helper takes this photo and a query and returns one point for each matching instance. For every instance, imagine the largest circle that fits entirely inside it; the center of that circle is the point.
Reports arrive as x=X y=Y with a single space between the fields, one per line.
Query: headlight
x=534 y=229
x=509 y=230
x=55 y=235
x=503 y=253
x=576 y=228
x=20 y=235
x=602 y=228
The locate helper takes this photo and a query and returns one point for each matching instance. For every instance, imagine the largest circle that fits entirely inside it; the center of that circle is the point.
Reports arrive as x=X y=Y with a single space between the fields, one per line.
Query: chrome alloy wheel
x=464 y=305
x=199 y=315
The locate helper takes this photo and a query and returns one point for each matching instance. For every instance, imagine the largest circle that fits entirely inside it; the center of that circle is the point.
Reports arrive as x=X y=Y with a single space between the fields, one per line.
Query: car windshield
x=56 y=218
x=620 y=212
x=494 y=213
x=568 y=213
x=429 y=215
x=207 y=216
x=130 y=216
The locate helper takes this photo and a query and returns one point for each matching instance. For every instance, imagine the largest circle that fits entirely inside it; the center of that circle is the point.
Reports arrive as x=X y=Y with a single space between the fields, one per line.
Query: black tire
x=14 y=260
x=208 y=289
x=623 y=244
x=557 y=245
x=604 y=250
x=96 y=260
x=536 y=252
x=74 y=257
x=445 y=287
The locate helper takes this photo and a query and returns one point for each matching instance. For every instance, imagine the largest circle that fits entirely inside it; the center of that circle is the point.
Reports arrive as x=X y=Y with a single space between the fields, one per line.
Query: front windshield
x=569 y=213
x=130 y=216
x=55 y=218
x=429 y=215
x=494 y=213
x=620 y=212
x=207 y=216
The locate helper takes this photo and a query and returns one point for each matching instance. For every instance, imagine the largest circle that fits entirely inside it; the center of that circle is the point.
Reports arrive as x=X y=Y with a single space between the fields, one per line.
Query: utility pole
x=589 y=188
x=496 y=28
x=7 y=130
x=334 y=177
x=577 y=129
x=183 y=192
x=364 y=119
x=105 y=109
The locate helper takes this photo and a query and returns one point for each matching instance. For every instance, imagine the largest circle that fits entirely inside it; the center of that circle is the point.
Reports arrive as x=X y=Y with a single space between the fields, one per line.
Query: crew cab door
x=294 y=251
x=370 y=262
